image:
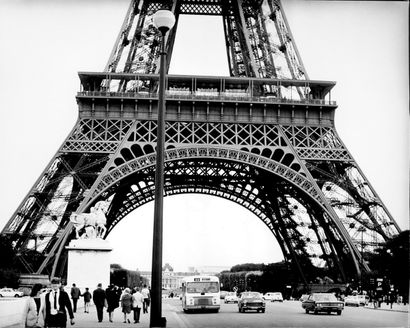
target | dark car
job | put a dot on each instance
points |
(323, 302)
(251, 301)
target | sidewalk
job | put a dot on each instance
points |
(386, 307)
(89, 320)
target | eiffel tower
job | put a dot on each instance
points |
(264, 138)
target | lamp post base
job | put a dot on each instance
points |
(159, 323)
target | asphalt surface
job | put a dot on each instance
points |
(286, 314)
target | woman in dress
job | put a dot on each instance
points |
(126, 304)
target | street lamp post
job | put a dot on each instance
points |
(164, 20)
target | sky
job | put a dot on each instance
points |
(363, 46)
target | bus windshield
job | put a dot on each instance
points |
(202, 287)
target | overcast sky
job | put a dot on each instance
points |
(363, 46)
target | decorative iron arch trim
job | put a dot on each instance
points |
(134, 165)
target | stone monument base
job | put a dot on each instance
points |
(88, 263)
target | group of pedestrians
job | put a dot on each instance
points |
(130, 300)
(52, 309)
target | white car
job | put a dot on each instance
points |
(231, 298)
(356, 300)
(352, 300)
(364, 299)
(10, 292)
(273, 297)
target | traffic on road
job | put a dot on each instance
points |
(282, 314)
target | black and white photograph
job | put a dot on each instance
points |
(204, 163)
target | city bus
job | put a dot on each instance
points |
(201, 293)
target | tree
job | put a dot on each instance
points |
(392, 261)
(8, 258)
(9, 275)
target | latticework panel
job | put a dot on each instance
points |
(210, 133)
(96, 135)
(316, 142)
(200, 7)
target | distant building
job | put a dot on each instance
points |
(172, 280)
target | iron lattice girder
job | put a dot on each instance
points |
(46, 209)
(349, 192)
(258, 38)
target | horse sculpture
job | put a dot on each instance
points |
(91, 225)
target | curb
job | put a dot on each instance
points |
(389, 310)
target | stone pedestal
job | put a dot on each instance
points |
(88, 263)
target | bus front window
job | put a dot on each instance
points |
(202, 287)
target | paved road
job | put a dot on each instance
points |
(286, 314)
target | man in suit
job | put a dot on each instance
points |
(55, 306)
(100, 300)
(75, 295)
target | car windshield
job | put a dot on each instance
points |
(253, 294)
(231, 294)
(202, 287)
(324, 297)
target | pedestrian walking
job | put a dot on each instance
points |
(113, 300)
(87, 298)
(137, 304)
(126, 304)
(31, 316)
(100, 301)
(75, 295)
(145, 292)
(55, 306)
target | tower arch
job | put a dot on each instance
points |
(237, 176)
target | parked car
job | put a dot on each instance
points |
(356, 300)
(273, 297)
(251, 301)
(323, 302)
(10, 292)
(231, 298)
(364, 299)
(352, 300)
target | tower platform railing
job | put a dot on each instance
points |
(207, 88)
(217, 96)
